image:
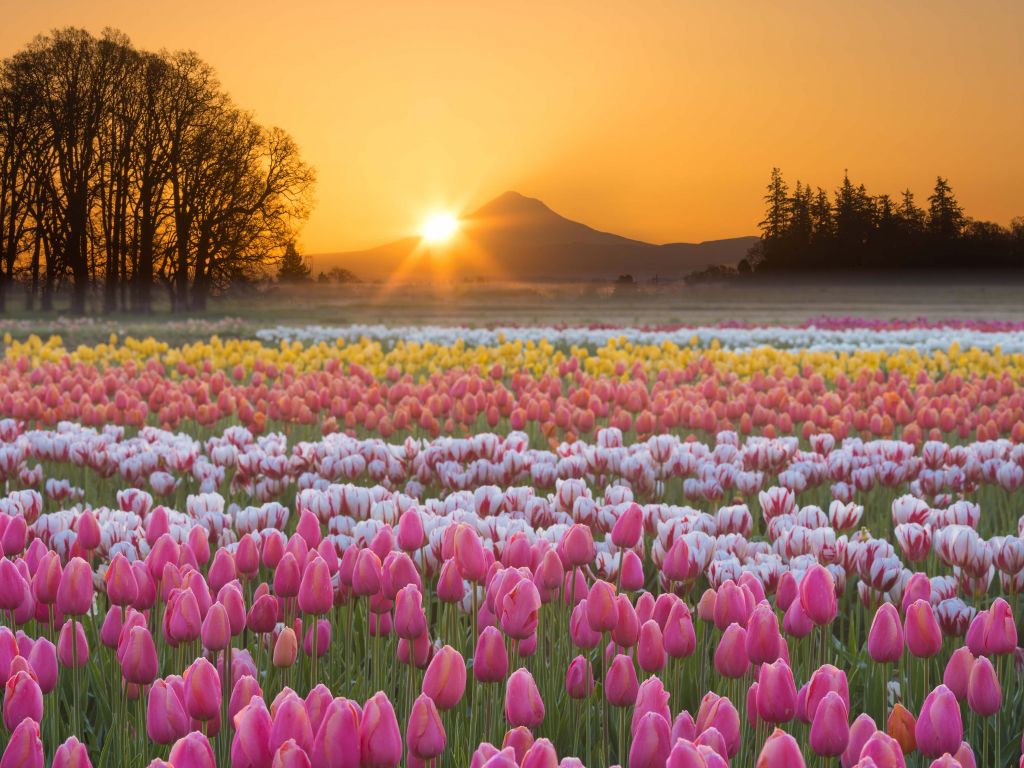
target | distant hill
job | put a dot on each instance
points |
(514, 237)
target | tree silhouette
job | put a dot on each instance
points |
(806, 230)
(122, 169)
(293, 268)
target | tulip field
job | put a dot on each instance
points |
(518, 547)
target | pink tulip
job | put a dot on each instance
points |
(166, 718)
(762, 643)
(651, 745)
(826, 678)
(731, 654)
(679, 636)
(290, 755)
(780, 750)
(776, 693)
(25, 749)
(818, 595)
(993, 632)
(650, 652)
(291, 723)
(685, 754)
(984, 694)
(138, 658)
(626, 633)
(202, 690)
(924, 638)
(628, 527)
(620, 684)
(830, 729)
(939, 728)
(650, 697)
(795, 622)
(122, 587)
(72, 645)
(520, 740)
(958, 671)
(523, 704)
(541, 754)
(490, 661)
(578, 545)
(469, 554)
(74, 595)
(22, 699)
(445, 679)
(192, 751)
(337, 739)
(251, 743)
(863, 728)
(719, 713)
(885, 638)
(425, 734)
(43, 660)
(410, 619)
(367, 573)
(579, 678)
(315, 593)
(286, 649)
(631, 571)
(380, 740)
(519, 610)
(71, 754)
(884, 750)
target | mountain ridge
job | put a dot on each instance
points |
(520, 238)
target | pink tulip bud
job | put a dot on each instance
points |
(122, 588)
(629, 527)
(43, 660)
(776, 693)
(685, 754)
(580, 631)
(830, 728)
(621, 684)
(677, 565)
(244, 689)
(939, 728)
(958, 672)
(825, 678)
(579, 678)
(72, 646)
(602, 608)
(425, 734)
(216, 628)
(222, 570)
(632, 571)
(71, 754)
(650, 697)
(380, 740)
(984, 694)
(885, 638)
(290, 755)
(780, 750)
(88, 529)
(47, 578)
(291, 723)
(519, 740)
(445, 678)
(818, 595)
(25, 748)
(410, 530)
(287, 577)
(578, 545)
(247, 557)
(192, 751)
(263, 615)
(523, 705)
(923, 636)
(863, 728)
(719, 713)
(795, 622)
(490, 661)
(22, 699)
(651, 744)
(519, 610)
(450, 586)
(884, 750)
(337, 742)
(763, 635)
(541, 754)
(731, 654)
(469, 554)
(74, 595)
(993, 632)
(202, 690)
(286, 649)
(138, 658)
(367, 573)
(651, 648)
(166, 718)
(410, 619)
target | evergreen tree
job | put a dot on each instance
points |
(945, 216)
(294, 268)
(777, 218)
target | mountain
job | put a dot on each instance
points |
(514, 237)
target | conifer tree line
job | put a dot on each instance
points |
(126, 172)
(806, 228)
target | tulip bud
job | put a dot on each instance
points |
(620, 683)
(490, 661)
(380, 739)
(885, 638)
(984, 694)
(939, 728)
(780, 750)
(523, 704)
(425, 732)
(192, 751)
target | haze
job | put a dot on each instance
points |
(655, 120)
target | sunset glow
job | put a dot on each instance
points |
(657, 141)
(440, 228)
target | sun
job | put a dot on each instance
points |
(440, 227)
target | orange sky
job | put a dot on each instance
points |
(657, 120)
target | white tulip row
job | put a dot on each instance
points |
(738, 339)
